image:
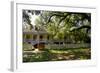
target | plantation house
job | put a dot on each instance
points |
(38, 38)
(34, 38)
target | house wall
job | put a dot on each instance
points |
(31, 38)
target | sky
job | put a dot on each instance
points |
(33, 17)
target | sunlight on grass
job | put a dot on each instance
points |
(58, 55)
(57, 51)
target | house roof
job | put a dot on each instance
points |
(38, 42)
(35, 30)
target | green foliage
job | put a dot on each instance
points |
(61, 25)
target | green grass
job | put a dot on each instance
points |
(59, 55)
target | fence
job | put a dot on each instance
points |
(61, 46)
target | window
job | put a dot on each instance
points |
(28, 36)
(48, 37)
(41, 37)
(34, 37)
(56, 42)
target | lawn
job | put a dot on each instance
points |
(57, 55)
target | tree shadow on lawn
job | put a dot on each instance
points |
(59, 55)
